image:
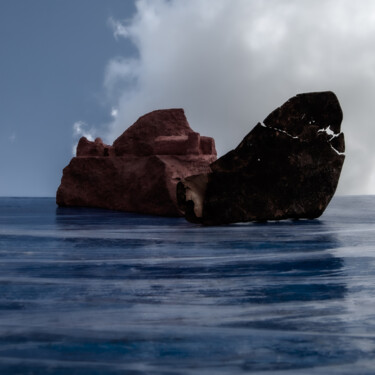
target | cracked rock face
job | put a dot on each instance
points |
(287, 167)
(140, 171)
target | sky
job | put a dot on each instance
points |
(92, 67)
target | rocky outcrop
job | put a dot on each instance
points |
(140, 171)
(286, 167)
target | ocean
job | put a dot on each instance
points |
(89, 291)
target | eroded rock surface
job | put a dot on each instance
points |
(286, 167)
(140, 171)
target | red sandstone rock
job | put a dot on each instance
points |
(139, 173)
(96, 148)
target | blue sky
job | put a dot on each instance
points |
(71, 65)
(53, 57)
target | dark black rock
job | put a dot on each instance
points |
(287, 167)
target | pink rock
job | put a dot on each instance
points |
(139, 173)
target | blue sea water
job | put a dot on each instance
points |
(88, 292)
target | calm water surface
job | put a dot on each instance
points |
(86, 291)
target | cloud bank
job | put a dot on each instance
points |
(230, 63)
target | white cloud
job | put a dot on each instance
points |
(118, 28)
(114, 112)
(120, 74)
(81, 129)
(230, 63)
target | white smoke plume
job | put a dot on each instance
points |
(230, 63)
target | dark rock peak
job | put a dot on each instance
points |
(306, 113)
(286, 167)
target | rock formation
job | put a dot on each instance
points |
(140, 171)
(286, 167)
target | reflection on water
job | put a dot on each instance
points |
(89, 291)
